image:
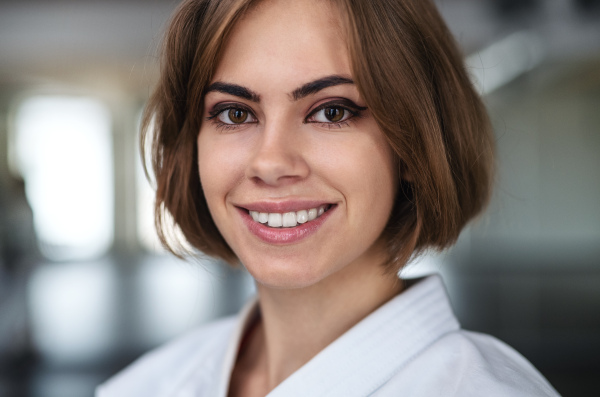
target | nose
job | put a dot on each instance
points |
(278, 157)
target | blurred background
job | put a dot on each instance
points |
(85, 288)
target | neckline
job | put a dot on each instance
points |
(409, 322)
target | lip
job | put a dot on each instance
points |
(284, 235)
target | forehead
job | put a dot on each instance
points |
(285, 43)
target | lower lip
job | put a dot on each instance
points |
(284, 235)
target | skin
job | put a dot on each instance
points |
(314, 290)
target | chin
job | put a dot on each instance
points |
(285, 273)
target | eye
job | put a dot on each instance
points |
(331, 114)
(235, 116)
(335, 113)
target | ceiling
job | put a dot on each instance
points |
(113, 44)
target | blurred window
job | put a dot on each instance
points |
(62, 147)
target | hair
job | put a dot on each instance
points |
(411, 75)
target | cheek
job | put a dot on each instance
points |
(218, 167)
(362, 169)
(376, 189)
(206, 167)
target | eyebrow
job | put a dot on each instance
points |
(233, 89)
(305, 90)
(318, 85)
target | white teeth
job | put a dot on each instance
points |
(263, 217)
(288, 219)
(275, 220)
(302, 216)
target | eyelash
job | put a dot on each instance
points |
(219, 109)
(345, 104)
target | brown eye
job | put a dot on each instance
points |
(331, 114)
(334, 114)
(237, 116)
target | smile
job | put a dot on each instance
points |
(285, 223)
(288, 219)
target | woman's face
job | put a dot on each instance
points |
(285, 138)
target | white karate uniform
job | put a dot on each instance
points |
(411, 346)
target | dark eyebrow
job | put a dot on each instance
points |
(233, 89)
(318, 85)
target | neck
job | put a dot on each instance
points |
(296, 324)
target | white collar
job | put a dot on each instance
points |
(370, 353)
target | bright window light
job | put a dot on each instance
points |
(62, 148)
(72, 308)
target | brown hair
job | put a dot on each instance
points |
(410, 73)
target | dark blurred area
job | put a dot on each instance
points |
(84, 287)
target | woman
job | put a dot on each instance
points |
(321, 144)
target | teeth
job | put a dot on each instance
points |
(263, 217)
(302, 216)
(275, 220)
(288, 219)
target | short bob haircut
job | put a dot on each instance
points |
(411, 75)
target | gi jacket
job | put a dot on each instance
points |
(411, 346)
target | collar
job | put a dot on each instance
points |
(370, 353)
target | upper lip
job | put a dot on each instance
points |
(282, 206)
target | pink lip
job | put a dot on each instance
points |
(284, 235)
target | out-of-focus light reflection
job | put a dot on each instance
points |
(62, 147)
(504, 61)
(72, 311)
(175, 296)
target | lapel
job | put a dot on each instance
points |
(373, 351)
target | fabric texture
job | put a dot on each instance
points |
(411, 346)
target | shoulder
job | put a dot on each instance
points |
(162, 369)
(465, 364)
(490, 364)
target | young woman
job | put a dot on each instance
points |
(322, 144)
